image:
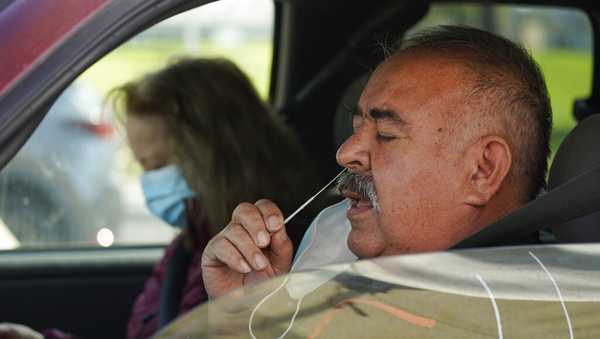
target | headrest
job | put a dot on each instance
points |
(579, 152)
(342, 123)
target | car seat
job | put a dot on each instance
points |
(579, 152)
(342, 123)
(572, 203)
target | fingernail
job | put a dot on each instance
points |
(245, 267)
(260, 261)
(262, 238)
(273, 222)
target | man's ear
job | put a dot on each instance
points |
(488, 163)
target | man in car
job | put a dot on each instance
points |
(450, 134)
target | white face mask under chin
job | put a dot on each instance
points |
(326, 245)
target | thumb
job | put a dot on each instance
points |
(281, 251)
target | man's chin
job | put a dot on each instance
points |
(364, 239)
(365, 246)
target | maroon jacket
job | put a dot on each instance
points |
(143, 322)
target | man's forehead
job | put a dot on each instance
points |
(405, 82)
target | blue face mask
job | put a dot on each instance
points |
(165, 190)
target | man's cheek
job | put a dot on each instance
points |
(389, 192)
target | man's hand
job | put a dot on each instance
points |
(16, 331)
(253, 247)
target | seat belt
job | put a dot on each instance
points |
(575, 198)
(173, 284)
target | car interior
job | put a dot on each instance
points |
(575, 156)
(322, 54)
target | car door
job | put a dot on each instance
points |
(84, 291)
(62, 265)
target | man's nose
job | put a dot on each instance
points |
(354, 153)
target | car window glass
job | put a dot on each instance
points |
(75, 181)
(519, 292)
(560, 40)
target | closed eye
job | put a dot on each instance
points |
(384, 138)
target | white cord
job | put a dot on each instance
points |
(494, 305)
(263, 300)
(312, 198)
(560, 297)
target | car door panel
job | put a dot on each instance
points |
(87, 292)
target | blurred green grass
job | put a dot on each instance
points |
(568, 73)
(568, 77)
(131, 61)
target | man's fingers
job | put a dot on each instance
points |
(249, 216)
(281, 251)
(238, 236)
(222, 252)
(271, 214)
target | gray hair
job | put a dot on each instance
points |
(506, 76)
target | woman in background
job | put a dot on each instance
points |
(206, 142)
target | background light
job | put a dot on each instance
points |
(105, 237)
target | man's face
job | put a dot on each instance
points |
(406, 116)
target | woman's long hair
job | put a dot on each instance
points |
(228, 144)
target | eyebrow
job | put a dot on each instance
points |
(386, 114)
(378, 114)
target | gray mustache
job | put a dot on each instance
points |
(360, 184)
